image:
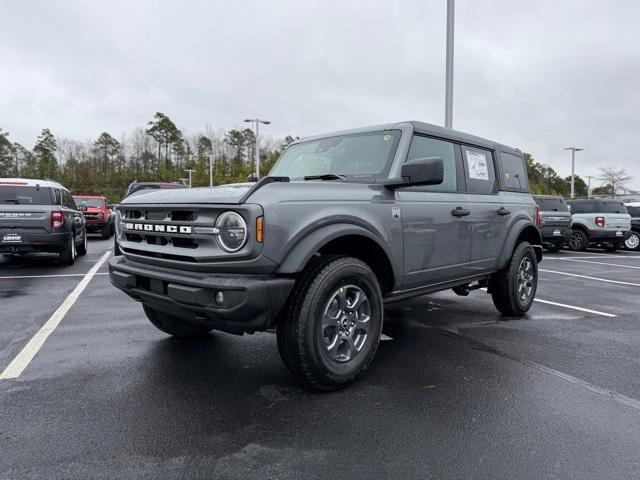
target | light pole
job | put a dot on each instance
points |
(573, 167)
(189, 172)
(211, 168)
(257, 122)
(448, 101)
(589, 177)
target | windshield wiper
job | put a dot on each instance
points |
(326, 176)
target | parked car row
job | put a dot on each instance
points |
(42, 216)
(581, 223)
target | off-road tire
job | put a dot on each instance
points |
(107, 232)
(504, 284)
(68, 254)
(637, 247)
(579, 241)
(82, 249)
(299, 332)
(174, 326)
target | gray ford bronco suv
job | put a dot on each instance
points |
(344, 223)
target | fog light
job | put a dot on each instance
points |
(219, 298)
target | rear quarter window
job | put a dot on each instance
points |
(513, 173)
(610, 207)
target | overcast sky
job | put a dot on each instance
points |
(538, 75)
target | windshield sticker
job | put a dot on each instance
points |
(387, 137)
(477, 165)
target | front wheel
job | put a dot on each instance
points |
(332, 323)
(513, 288)
(633, 242)
(174, 325)
(107, 232)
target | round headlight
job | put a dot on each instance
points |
(119, 223)
(232, 231)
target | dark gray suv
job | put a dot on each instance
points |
(345, 223)
(40, 216)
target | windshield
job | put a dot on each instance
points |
(551, 204)
(23, 195)
(89, 202)
(364, 156)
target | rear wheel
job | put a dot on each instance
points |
(68, 255)
(332, 323)
(578, 241)
(633, 242)
(82, 249)
(174, 325)
(513, 288)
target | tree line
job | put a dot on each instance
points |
(162, 152)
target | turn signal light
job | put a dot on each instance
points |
(600, 222)
(259, 229)
(57, 220)
(537, 219)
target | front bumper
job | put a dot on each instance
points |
(251, 302)
(601, 236)
(34, 242)
(96, 226)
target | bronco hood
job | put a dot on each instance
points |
(233, 193)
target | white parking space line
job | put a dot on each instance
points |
(26, 355)
(7, 277)
(620, 257)
(571, 307)
(587, 277)
(600, 263)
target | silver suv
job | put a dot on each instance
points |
(598, 222)
(345, 223)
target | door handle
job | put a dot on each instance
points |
(460, 212)
(503, 211)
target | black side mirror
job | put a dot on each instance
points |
(423, 171)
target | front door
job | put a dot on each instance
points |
(437, 233)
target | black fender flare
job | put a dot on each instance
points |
(517, 229)
(304, 249)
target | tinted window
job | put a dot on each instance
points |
(634, 211)
(551, 204)
(24, 195)
(513, 173)
(581, 207)
(611, 206)
(68, 200)
(425, 147)
(366, 155)
(478, 164)
(57, 196)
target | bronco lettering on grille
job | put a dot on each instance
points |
(150, 227)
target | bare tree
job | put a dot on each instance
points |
(617, 179)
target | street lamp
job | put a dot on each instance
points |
(257, 122)
(211, 168)
(573, 165)
(448, 94)
(589, 177)
(189, 172)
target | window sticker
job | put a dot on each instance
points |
(477, 165)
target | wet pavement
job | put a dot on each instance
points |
(457, 392)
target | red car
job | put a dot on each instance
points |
(97, 214)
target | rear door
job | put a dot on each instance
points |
(437, 241)
(487, 207)
(72, 214)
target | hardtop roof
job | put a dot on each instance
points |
(32, 182)
(423, 128)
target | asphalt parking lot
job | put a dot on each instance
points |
(455, 391)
